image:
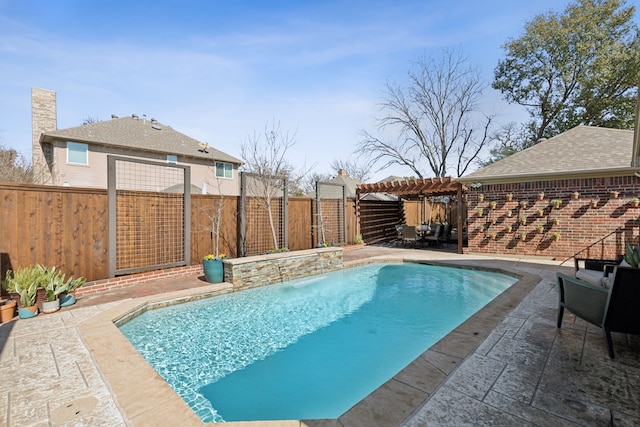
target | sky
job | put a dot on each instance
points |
(219, 71)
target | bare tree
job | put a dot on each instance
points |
(433, 118)
(14, 167)
(264, 157)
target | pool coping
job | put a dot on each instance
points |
(146, 399)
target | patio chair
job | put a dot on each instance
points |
(614, 309)
(409, 235)
(436, 237)
(596, 271)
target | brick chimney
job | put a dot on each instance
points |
(342, 172)
(43, 119)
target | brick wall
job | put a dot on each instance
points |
(585, 231)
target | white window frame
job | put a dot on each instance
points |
(227, 167)
(77, 147)
(172, 159)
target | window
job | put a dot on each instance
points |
(224, 170)
(171, 159)
(77, 153)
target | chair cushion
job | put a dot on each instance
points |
(591, 276)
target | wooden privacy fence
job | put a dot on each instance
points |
(68, 227)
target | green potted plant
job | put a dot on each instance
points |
(556, 203)
(594, 203)
(25, 281)
(68, 296)
(509, 197)
(480, 197)
(575, 195)
(614, 194)
(541, 195)
(52, 281)
(555, 236)
(523, 220)
(523, 204)
(540, 212)
(555, 221)
(493, 234)
(523, 236)
(539, 228)
(635, 201)
(480, 212)
(509, 213)
(632, 256)
(493, 204)
(508, 228)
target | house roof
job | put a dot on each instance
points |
(142, 134)
(581, 151)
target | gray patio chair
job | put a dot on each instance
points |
(409, 235)
(614, 309)
(436, 237)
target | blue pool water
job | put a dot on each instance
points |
(309, 348)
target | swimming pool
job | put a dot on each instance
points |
(241, 356)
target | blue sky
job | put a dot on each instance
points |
(218, 71)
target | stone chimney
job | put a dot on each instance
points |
(342, 172)
(43, 119)
(635, 159)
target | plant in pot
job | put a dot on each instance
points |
(52, 281)
(493, 235)
(213, 267)
(68, 295)
(480, 197)
(509, 197)
(541, 196)
(480, 212)
(509, 213)
(523, 220)
(25, 281)
(556, 203)
(539, 228)
(540, 212)
(635, 201)
(493, 204)
(523, 204)
(508, 228)
(523, 236)
(555, 236)
(7, 309)
(575, 195)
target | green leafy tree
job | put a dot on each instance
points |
(576, 68)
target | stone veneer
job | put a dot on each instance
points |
(260, 270)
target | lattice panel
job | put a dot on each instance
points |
(330, 227)
(149, 215)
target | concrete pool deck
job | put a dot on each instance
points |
(507, 365)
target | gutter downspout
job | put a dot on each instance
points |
(635, 157)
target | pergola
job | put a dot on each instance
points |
(420, 189)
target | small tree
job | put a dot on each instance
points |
(264, 157)
(14, 167)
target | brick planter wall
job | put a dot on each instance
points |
(599, 232)
(260, 270)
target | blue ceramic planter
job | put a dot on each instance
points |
(213, 270)
(25, 313)
(67, 300)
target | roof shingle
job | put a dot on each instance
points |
(141, 134)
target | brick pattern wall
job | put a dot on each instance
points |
(133, 279)
(585, 231)
(260, 270)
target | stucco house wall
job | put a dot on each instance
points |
(132, 136)
(594, 162)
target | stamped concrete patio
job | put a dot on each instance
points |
(508, 365)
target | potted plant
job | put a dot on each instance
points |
(540, 212)
(509, 213)
(555, 236)
(575, 195)
(523, 236)
(493, 221)
(25, 281)
(52, 281)
(493, 204)
(539, 228)
(523, 204)
(594, 203)
(480, 212)
(481, 197)
(493, 235)
(68, 296)
(635, 202)
(614, 194)
(556, 203)
(7, 310)
(541, 195)
(555, 221)
(509, 197)
(523, 220)
(213, 267)
(508, 228)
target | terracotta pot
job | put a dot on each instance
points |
(7, 311)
